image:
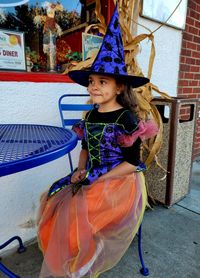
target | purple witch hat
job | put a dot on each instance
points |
(110, 59)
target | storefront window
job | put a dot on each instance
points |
(51, 32)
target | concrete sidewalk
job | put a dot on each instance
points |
(171, 244)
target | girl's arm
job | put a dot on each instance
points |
(122, 169)
(79, 174)
(83, 157)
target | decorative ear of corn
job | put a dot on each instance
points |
(129, 12)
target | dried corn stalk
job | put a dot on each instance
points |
(129, 12)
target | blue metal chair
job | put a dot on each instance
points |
(21, 249)
(65, 106)
(73, 107)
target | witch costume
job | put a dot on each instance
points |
(85, 228)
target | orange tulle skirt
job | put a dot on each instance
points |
(87, 234)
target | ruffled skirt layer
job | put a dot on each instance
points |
(87, 234)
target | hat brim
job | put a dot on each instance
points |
(82, 78)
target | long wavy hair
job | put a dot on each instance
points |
(127, 98)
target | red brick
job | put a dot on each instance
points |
(196, 145)
(183, 60)
(193, 30)
(186, 30)
(194, 14)
(193, 83)
(186, 52)
(198, 129)
(189, 21)
(187, 91)
(190, 61)
(181, 75)
(196, 90)
(184, 43)
(188, 37)
(197, 23)
(197, 140)
(180, 91)
(197, 62)
(195, 69)
(196, 39)
(184, 67)
(192, 5)
(196, 54)
(182, 83)
(197, 76)
(191, 45)
(197, 132)
(198, 8)
(188, 75)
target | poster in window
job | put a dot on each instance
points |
(12, 50)
(90, 45)
(160, 11)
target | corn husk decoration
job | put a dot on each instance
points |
(129, 12)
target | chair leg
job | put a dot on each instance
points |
(70, 162)
(144, 270)
(20, 249)
(7, 272)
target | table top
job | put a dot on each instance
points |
(24, 146)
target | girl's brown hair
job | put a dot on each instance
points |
(126, 98)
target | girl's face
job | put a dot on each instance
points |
(103, 90)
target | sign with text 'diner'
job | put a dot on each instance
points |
(12, 51)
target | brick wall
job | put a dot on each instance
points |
(189, 71)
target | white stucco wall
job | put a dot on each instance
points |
(27, 102)
(166, 64)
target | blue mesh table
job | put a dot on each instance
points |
(24, 146)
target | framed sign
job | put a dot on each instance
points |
(159, 10)
(12, 50)
(90, 45)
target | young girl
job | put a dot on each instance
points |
(89, 218)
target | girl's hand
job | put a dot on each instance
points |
(78, 175)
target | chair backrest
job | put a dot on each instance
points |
(73, 106)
